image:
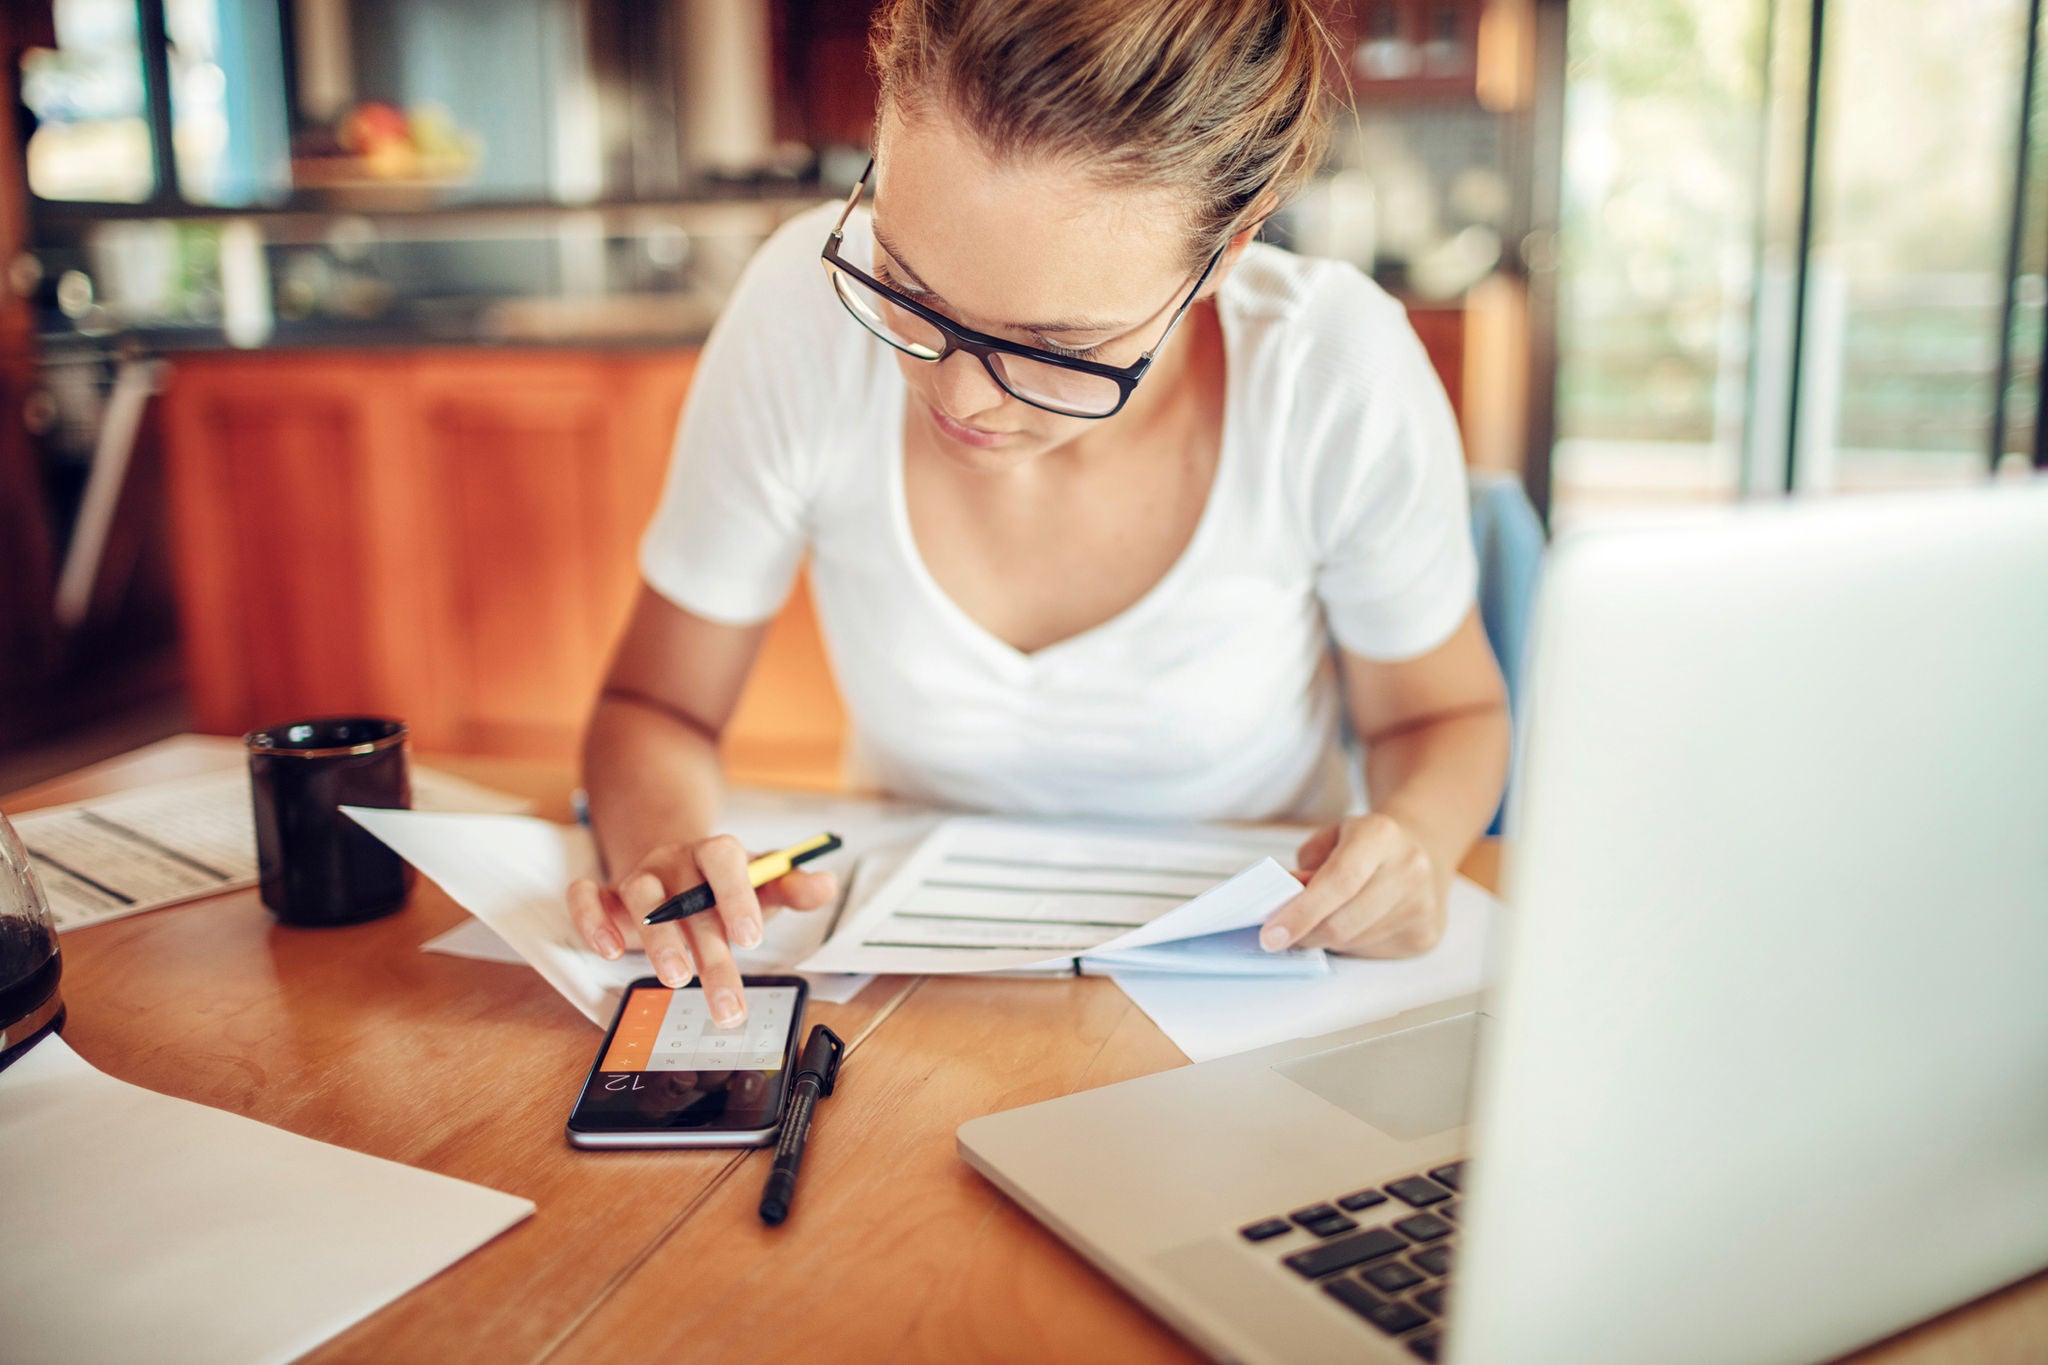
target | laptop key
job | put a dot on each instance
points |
(1331, 1226)
(1422, 1227)
(1354, 1296)
(1259, 1232)
(1450, 1175)
(1344, 1253)
(1436, 1260)
(1396, 1318)
(1363, 1199)
(1431, 1301)
(1391, 1276)
(1391, 1318)
(1423, 1344)
(1417, 1192)
(1450, 1210)
(1314, 1213)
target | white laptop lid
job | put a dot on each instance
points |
(1771, 1071)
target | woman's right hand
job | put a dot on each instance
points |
(609, 917)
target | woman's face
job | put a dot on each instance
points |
(1035, 253)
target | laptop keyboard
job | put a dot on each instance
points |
(1393, 1273)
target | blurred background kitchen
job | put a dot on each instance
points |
(342, 340)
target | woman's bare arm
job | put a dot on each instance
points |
(651, 769)
(1435, 730)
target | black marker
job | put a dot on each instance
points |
(814, 1076)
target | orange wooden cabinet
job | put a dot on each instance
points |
(446, 536)
(533, 478)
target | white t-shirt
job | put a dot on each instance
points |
(1338, 511)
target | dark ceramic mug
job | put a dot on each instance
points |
(317, 866)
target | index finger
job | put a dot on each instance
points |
(725, 994)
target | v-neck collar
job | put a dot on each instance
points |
(1000, 652)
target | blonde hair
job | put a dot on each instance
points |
(1222, 101)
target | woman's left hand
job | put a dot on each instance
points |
(1373, 891)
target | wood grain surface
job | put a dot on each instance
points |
(896, 1250)
(443, 535)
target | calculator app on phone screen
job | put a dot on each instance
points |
(668, 1075)
(665, 1030)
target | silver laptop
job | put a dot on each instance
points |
(1765, 1073)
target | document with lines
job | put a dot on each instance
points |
(176, 841)
(982, 895)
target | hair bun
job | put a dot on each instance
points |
(1224, 101)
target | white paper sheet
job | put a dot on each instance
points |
(1210, 1017)
(511, 873)
(173, 842)
(1236, 953)
(985, 894)
(149, 1229)
(477, 940)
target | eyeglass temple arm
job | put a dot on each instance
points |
(853, 199)
(1186, 303)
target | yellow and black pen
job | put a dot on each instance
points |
(760, 872)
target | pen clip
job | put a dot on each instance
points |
(826, 1067)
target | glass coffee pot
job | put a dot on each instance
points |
(30, 965)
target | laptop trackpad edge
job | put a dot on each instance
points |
(1412, 1084)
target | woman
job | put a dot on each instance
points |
(1110, 510)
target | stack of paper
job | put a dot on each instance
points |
(149, 1229)
(511, 873)
(982, 895)
(1205, 1019)
(1172, 915)
(1165, 913)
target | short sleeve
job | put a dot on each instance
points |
(1389, 508)
(731, 527)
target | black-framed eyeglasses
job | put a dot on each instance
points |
(1044, 379)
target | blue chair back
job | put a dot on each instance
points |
(1508, 536)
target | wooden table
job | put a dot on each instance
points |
(897, 1250)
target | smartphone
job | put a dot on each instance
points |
(669, 1077)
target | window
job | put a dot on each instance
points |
(1786, 249)
(91, 139)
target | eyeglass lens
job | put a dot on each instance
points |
(1049, 386)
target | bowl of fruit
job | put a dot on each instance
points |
(381, 156)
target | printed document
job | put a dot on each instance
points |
(982, 894)
(176, 841)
